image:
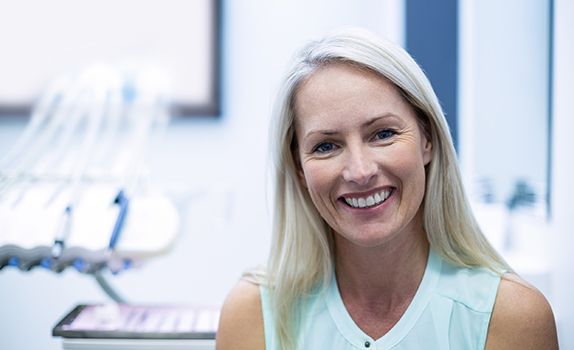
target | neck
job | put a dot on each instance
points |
(390, 273)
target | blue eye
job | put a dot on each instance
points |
(324, 147)
(384, 134)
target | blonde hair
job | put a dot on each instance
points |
(301, 257)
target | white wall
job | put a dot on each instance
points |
(504, 92)
(563, 171)
(214, 169)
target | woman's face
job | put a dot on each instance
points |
(362, 154)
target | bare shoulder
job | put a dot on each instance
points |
(241, 321)
(521, 319)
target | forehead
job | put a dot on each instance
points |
(343, 93)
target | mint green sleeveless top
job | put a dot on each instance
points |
(451, 310)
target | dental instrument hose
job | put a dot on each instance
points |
(108, 289)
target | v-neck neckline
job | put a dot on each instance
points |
(355, 335)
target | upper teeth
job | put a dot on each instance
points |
(369, 201)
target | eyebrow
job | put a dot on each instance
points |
(329, 132)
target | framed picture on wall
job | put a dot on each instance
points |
(42, 40)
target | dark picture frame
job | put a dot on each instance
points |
(27, 52)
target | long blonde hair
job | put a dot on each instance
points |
(301, 256)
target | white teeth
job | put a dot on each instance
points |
(369, 201)
(385, 194)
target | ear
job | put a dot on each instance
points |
(427, 151)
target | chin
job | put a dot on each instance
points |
(367, 239)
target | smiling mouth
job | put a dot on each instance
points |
(369, 201)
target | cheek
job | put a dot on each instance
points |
(316, 178)
(411, 172)
(320, 181)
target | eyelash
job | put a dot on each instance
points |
(390, 131)
(316, 149)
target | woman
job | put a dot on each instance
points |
(374, 245)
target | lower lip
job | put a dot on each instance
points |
(371, 210)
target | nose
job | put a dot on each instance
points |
(360, 166)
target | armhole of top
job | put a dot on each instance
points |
(492, 294)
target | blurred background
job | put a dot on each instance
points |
(503, 71)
